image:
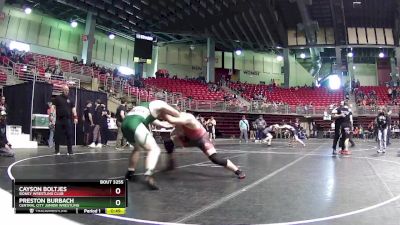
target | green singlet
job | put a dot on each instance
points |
(138, 115)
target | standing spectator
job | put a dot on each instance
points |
(87, 123)
(382, 126)
(261, 124)
(390, 92)
(389, 126)
(201, 120)
(211, 123)
(105, 114)
(51, 112)
(3, 105)
(244, 129)
(120, 115)
(253, 130)
(5, 146)
(65, 113)
(97, 113)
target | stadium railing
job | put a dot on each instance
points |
(373, 110)
(26, 72)
(66, 66)
(255, 107)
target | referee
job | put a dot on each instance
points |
(65, 116)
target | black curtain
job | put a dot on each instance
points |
(43, 93)
(19, 100)
(82, 97)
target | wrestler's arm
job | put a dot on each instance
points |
(181, 120)
(162, 124)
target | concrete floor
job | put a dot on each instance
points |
(289, 185)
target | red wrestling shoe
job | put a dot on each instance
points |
(240, 174)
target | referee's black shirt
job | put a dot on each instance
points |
(63, 107)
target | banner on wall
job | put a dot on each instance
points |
(251, 73)
(197, 68)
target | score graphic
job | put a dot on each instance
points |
(70, 196)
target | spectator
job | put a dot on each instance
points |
(382, 123)
(5, 146)
(201, 120)
(97, 113)
(390, 92)
(87, 123)
(261, 124)
(120, 115)
(211, 124)
(105, 115)
(3, 104)
(244, 129)
(65, 112)
(253, 130)
(51, 112)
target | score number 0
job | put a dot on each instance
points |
(117, 191)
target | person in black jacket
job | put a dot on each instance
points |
(104, 124)
(97, 114)
(87, 123)
(120, 115)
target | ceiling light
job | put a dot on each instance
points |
(238, 52)
(74, 24)
(381, 55)
(27, 10)
(334, 82)
(302, 55)
(279, 58)
(350, 55)
(111, 36)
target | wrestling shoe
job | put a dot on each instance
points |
(240, 174)
(334, 152)
(151, 184)
(346, 152)
(171, 165)
(130, 175)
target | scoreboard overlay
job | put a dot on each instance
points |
(105, 196)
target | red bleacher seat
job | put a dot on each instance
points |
(303, 95)
(188, 88)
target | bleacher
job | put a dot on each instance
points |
(188, 88)
(3, 76)
(381, 92)
(303, 95)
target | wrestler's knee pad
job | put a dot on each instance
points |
(218, 160)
